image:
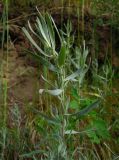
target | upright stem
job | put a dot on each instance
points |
(62, 75)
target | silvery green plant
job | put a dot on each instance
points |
(102, 75)
(46, 29)
(68, 65)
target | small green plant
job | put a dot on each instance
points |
(98, 130)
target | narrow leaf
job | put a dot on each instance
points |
(73, 75)
(87, 109)
(56, 29)
(62, 56)
(54, 92)
(43, 61)
(47, 118)
(71, 132)
(50, 30)
(34, 43)
(43, 23)
(43, 33)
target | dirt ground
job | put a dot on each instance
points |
(22, 79)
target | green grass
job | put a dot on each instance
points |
(4, 83)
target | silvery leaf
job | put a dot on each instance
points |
(34, 43)
(54, 92)
(71, 132)
(41, 91)
(73, 75)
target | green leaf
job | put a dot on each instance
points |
(50, 30)
(56, 29)
(92, 135)
(43, 32)
(43, 61)
(74, 104)
(75, 94)
(101, 128)
(48, 119)
(62, 56)
(86, 110)
(44, 28)
(34, 43)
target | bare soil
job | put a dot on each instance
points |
(22, 79)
